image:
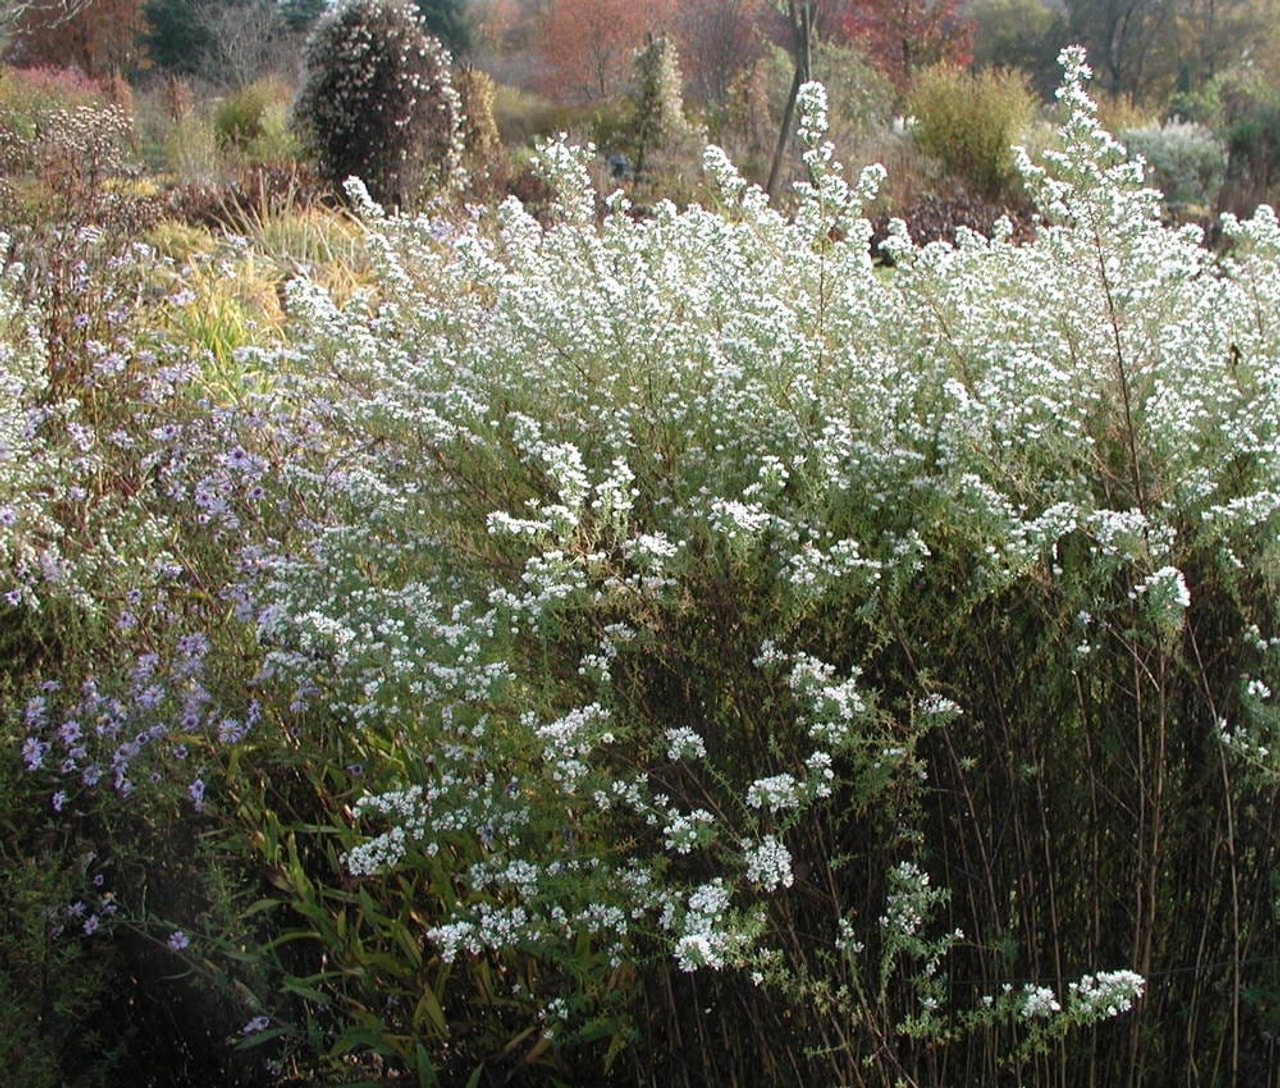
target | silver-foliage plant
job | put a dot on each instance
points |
(1183, 159)
(656, 539)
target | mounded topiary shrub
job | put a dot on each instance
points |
(378, 102)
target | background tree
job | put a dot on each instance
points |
(450, 21)
(800, 25)
(903, 37)
(98, 37)
(718, 40)
(12, 12)
(587, 44)
(1215, 36)
(301, 15)
(1023, 34)
(1131, 43)
(228, 42)
(177, 39)
(248, 41)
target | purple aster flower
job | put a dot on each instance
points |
(231, 731)
(33, 753)
(195, 645)
(150, 698)
(178, 940)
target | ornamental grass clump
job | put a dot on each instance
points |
(969, 122)
(823, 672)
(377, 102)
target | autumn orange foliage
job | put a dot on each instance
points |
(100, 39)
(587, 45)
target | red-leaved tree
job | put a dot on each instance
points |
(719, 39)
(903, 36)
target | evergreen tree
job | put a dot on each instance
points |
(179, 39)
(449, 21)
(658, 119)
(302, 15)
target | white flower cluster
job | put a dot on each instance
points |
(768, 863)
(568, 740)
(1038, 1002)
(580, 458)
(834, 706)
(703, 930)
(684, 743)
(684, 831)
(776, 793)
(1165, 597)
(909, 900)
(1105, 994)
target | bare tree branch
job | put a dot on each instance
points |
(52, 13)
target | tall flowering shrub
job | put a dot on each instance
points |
(844, 656)
(658, 121)
(377, 101)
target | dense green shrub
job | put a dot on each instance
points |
(1184, 160)
(970, 122)
(378, 103)
(252, 122)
